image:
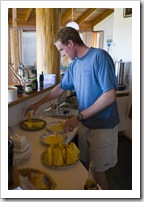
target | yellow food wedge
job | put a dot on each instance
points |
(57, 157)
(74, 148)
(39, 124)
(71, 156)
(57, 127)
(53, 139)
(28, 124)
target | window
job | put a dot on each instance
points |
(29, 48)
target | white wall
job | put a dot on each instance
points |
(120, 29)
(16, 113)
(106, 25)
(122, 49)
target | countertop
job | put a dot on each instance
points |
(69, 178)
(22, 97)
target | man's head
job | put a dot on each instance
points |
(68, 41)
(68, 33)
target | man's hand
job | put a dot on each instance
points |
(71, 124)
(33, 107)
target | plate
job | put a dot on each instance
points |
(57, 167)
(55, 127)
(49, 139)
(39, 179)
(33, 127)
(60, 155)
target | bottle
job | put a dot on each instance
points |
(10, 163)
(91, 183)
(34, 84)
(28, 87)
(41, 79)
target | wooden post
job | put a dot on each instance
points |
(48, 22)
(15, 38)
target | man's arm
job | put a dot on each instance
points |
(103, 102)
(54, 93)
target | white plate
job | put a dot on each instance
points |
(44, 137)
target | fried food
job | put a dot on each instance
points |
(53, 139)
(60, 155)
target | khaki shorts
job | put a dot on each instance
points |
(99, 145)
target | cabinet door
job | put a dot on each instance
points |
(122, 109)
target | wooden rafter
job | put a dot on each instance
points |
(103, 16)
(68, 13)
(86, 15)
(28, 14)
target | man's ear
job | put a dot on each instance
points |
(70, 43)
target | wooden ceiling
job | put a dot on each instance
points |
(87, 18)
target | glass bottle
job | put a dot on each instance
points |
(91, 183)
(41, 80)
(10, 163)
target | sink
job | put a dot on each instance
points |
(69, 105)
(63, 111)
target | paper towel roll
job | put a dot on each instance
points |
(12, 94)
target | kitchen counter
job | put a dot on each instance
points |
(69, 178)
(23, 97)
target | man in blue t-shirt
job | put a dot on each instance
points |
(92, 75)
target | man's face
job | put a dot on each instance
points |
(66, 50)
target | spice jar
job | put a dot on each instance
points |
(28, 87)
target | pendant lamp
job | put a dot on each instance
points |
(72, 23)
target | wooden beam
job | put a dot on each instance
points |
(68, 13)
(86, 15)
(28, 14)
(103, 16)
(15, 38)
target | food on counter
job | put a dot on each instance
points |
(60, 155)
(53, 139)
(34, 124)
(28, 124)
(56, 126)
(39, 124)
(39, 179)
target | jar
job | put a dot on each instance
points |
(34, 84)
(28, 87)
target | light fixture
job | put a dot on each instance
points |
(72, 23)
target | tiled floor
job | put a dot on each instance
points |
(120, 177)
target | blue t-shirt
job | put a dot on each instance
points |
(91, 76)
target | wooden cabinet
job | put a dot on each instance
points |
(122, 102)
